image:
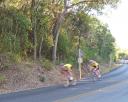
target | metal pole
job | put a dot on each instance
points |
(110, 63)
(79, 65)
(79, 58)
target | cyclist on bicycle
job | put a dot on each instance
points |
(94, 68)
(66, 70)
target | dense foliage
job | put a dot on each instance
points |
(51, 29)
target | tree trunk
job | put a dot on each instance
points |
(35, 40)
(33, 20)
(40, 48)
(56, 31)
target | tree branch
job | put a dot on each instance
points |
(81, 2)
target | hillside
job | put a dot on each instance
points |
(29, 75)
(25, 76)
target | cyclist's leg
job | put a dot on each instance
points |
(99, 75)
(94, 76)
(67, 81)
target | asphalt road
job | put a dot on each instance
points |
(113, 87)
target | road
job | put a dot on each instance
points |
(113, 87)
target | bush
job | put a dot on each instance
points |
(2, 79)
(4, 62)
(4, 66)
(42, 78)
(15, 57)
(48, 65)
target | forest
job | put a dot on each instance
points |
(54, 30)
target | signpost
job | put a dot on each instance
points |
(80, 60)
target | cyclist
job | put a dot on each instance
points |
(66, 70)
(94, 69)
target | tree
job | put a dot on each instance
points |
(34, 26)
(85, 4)
(13, 31)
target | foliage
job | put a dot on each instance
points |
(14, 26)
(47, 64)
(122, 55)
(42, 78)
(30, 28)
(4, 62)
(2, 79)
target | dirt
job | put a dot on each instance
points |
(28, 76)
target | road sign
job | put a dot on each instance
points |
(80, 53)
(80, 60)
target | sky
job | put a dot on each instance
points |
(117, 20)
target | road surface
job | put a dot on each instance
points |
(113, 87)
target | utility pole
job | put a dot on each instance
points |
(80, 60)
(110, 62)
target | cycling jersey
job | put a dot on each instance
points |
(68, 67)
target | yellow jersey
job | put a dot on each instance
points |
(68, 67)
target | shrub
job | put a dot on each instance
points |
(48, 65)
(15, 57)
(42, 78)
(4, 66)
(4, 62)
(2, 79)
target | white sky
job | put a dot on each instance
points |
(117, 20)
